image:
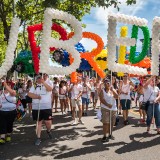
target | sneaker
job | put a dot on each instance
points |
(111, 137)
(81, 122)
(8, 138)
(74, 123)
(104, 139)
(49, 134)
(38, 142)
(2, 141)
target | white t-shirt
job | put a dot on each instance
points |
(125, 88)
(150, 93)
(45, 102)
(86, 91)
(55, 88)
(5, 105)
(76, 90)
(110, 100)
(22, 93)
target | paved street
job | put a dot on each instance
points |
(82, 141)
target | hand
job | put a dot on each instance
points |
(126, 93)
(111, 88)
(4, 84)
(0, 106)
(109, 106)
(38, 97)
(42, 81)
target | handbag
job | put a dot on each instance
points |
(145, 105)
(99, 114)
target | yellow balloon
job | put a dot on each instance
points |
(122, 49)
(101, 59)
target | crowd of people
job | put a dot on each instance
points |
(112, 96)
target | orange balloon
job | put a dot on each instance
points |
(89, 56)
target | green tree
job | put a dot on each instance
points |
(31, 12)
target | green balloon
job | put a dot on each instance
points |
(145, 46)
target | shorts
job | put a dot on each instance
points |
(54, 94)
(126, 104)
(24, 103)
(76, 102)
(28, 99)
(106, 116)
(62, 96)
(94, 95)
(85, 101)
(45, 114)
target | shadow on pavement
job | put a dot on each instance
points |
(140, 143)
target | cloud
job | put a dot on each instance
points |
(97, 21)
(102, 14)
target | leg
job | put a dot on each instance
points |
(105, 129)
(53, 100)
(61, 103)
(149, 116)
(56, 102)
(39, 129)
(157, 117)
(30, 108)
(3, 126)
(48, 124)
(80, 112)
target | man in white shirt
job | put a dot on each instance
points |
(76, 93)
(41, 104)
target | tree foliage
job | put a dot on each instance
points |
(31, 12)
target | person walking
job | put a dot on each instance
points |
(108, 96)
(125, 98)
(152, 96)
(7, 112)
(41, 105)
(76, 93)
(55, 92)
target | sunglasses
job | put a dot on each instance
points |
(107, 82)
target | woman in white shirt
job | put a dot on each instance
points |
(62, 96)
(55, 92)
(7, 113)
(108, 97)
(152, 95)
(125, 98)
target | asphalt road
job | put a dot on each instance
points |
(82, 142)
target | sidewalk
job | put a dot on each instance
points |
(82, 141)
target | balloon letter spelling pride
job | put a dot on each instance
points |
(113, 40)
(155, 46)
(9, 58)
(68, 45)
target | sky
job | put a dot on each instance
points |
(97, 22)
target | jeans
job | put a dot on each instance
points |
(156, 114)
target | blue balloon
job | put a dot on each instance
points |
(84, 65)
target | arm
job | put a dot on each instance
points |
(79, 95)
(34, 96)
(157, 100)
(48, 87)
(102, 100)
(11, 91)
(115, 94)
(148, 82)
